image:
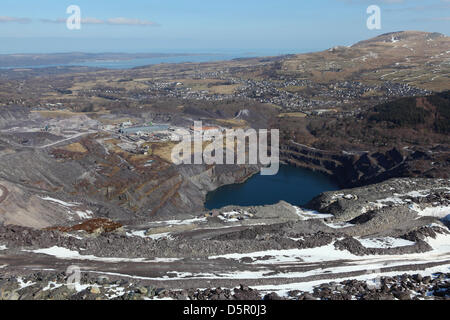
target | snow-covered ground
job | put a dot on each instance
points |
(308, 286)
(351, 262)
(400, 199)
(303, 265)
(345, 261)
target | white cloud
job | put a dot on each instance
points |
(92, 21)
(112, 21)
(6, 19)
(130, 22)
(441, 19)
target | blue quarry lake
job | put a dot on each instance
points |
(294, 185)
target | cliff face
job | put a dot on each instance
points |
(406, 137)
(351, 169)
(195, 181)
(213, 177)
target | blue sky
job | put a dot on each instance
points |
(272, 26)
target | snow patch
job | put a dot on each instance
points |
(401, 199)
(180, 222)
(52, 285)
(310, 255)
(63, 203)
(88, 214)
(23, 284)
(442, 212)
(385, 242)
(64, 253)
(115, 291)
(83, 215)
(229, 216)
(305, 214)
(143, 234)
(339, 225)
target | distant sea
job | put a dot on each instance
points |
(128, 64)
(179, 58)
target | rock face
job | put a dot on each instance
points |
(51, 181)
(397, 204)
(199, 180)
(350, 203)
(37, 191)
(358, 169)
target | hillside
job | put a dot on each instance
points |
(419, 121)
(417, 58)
(430, 113)
(407, 137)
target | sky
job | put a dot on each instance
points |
(208, 26)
